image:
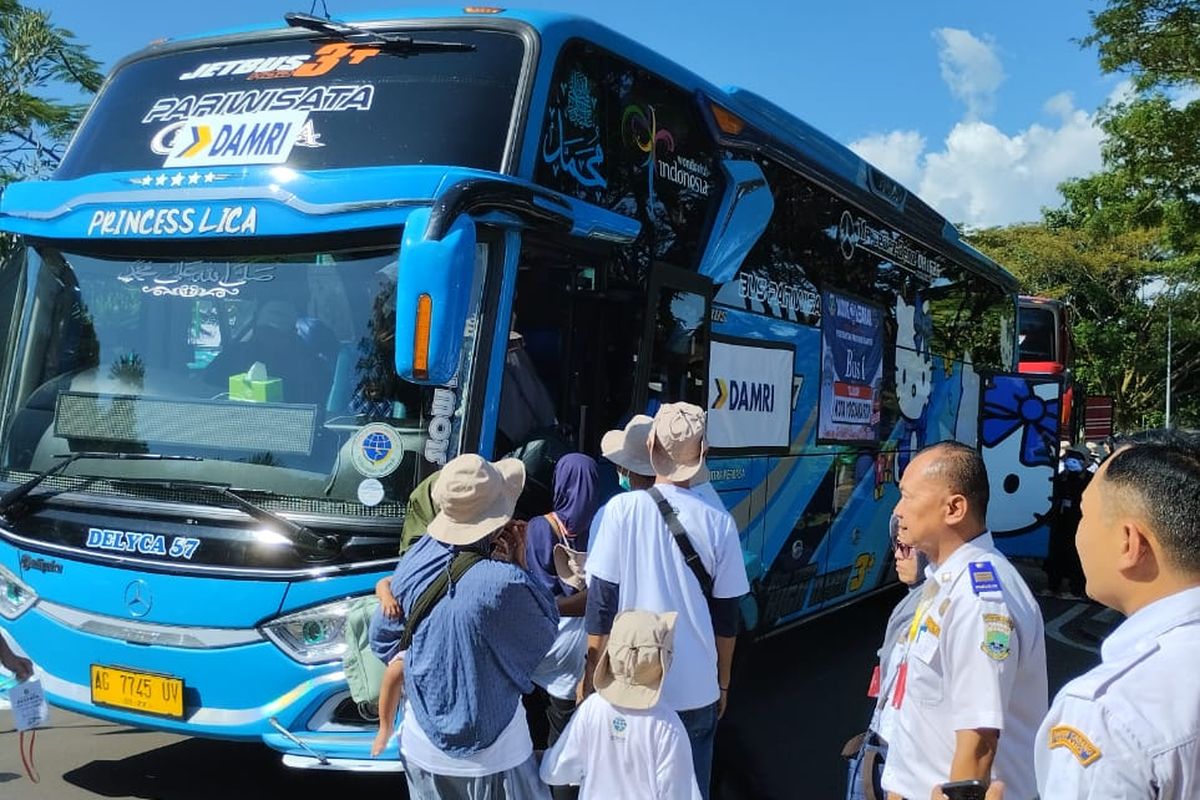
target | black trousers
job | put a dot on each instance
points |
(557, 713)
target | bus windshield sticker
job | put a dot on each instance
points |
(151, 221)
(376, 450)
(236, 139)
(851, 369)
(370, 492)
(304, 65)
(337, 97)
(750, 395)
(441, 413)
(226, 276)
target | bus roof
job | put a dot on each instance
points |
(820, 156)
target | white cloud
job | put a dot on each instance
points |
(1185, 95)
(1122, 93)
(970, 67)
(897, 153)
(981, 175)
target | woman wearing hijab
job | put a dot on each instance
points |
(564, 533)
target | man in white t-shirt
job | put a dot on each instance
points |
(622, 742)
(637, 562)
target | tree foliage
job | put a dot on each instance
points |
(1151, 173)
(37, 60)
(1115, 289)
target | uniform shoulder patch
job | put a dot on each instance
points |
(983, 577)
(1074, 740)
(997, 636)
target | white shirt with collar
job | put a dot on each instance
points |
(1130, 728)
(976, 658)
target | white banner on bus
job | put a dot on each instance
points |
(750, 395)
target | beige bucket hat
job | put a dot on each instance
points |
(677, 443)
(627, 448)
(475, 497)
(631, 669)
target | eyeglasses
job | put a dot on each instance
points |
(901, 549)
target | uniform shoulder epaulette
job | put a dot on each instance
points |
(984, 579)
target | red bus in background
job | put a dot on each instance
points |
(1044, 336)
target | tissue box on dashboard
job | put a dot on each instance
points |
(255, 386)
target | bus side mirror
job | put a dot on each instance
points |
(433, 287)
(741, 219)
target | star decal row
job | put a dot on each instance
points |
(178, 179)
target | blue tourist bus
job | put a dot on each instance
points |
(283, 274)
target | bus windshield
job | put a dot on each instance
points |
(309, 104)
(1038, 331)
(277, 369)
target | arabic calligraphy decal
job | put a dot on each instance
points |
(226, 276)
(572, 143)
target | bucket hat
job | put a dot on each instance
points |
(475, 497)
(631, 668)
(627, 448)
(677, 443)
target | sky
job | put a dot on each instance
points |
(982, 108)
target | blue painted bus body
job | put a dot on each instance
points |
(813, 514)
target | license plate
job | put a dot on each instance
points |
(137, 691)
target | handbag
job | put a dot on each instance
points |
(569, 563)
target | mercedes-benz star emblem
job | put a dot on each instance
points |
(138, 598)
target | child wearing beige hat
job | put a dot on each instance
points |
(621, 741)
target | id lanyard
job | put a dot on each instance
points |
(928, 594)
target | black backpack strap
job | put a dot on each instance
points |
(690, 556)
(435, 591)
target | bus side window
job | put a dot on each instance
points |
(677, 369)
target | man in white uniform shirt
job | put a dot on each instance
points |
(1130, 728)
(971, 689)
(637, 562)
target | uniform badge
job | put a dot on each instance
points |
(983, 577)
(997, 636)
(1073, 739)
(942, 608)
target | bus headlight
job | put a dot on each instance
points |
(314, 635)
(16, 596)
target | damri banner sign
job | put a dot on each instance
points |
(750, 394)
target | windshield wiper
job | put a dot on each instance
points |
(301, 536)
(361, 37)
(14, 495)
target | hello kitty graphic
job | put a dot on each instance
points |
(1019, 435)
(914, 363)
(914, 376)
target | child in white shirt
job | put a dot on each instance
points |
(621, 742)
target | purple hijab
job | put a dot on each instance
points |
(576, 498)
(575, 495)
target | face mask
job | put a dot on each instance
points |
(623, 482)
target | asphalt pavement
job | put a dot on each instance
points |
(795, 699)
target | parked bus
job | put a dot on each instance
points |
(1045, 348)
(282, 275)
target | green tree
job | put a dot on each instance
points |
(38, 58)
(1151, 174)
(1114, 285)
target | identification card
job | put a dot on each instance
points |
(29, 706)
